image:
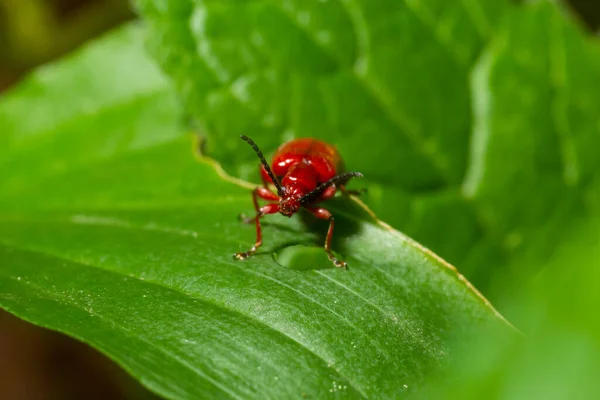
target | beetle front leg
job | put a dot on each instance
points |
(268, 209)
(263, 193)
(322, 213)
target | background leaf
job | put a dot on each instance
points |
(474, 123)
(113, 233)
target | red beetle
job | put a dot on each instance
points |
(305, 173)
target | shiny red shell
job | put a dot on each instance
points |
(302, 164)
(305, 172)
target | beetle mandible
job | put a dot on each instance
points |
(305, 172)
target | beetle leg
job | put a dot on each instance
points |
(266, 194)
(263, 193)
(328, 193)
(322, 213)
(268, 209)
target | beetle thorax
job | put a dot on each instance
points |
(300, 180)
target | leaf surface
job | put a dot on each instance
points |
(475, 123)
(113, 232)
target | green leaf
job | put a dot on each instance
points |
(474, 122)
(112, 232)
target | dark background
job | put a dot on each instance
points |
(36, 363)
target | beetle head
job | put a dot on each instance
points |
(289, 205)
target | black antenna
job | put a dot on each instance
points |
(264, 163)
(341, 179)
